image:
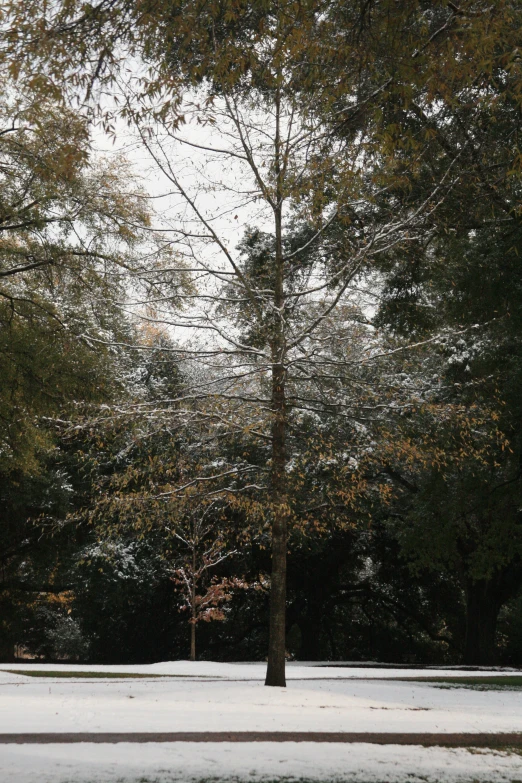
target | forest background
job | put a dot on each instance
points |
(269, 403)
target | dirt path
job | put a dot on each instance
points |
(446, 740)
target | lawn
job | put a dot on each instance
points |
(87, 675)
(507, 681)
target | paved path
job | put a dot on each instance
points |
(427, 740)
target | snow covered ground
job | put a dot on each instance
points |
(184, 762)
(231, 697)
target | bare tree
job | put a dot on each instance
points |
(204, 547)
(259, 307)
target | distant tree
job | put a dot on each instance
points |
(74, 233)
(458, 513)
(203, 548)
(465, 277)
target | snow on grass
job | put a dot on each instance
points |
(76, 675)
(207, 696)
(32, 704)
(257, 671)
(504, 680)
(245, 762)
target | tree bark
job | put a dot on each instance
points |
(482, 608)
(193, 605)
(310, 628)
(275, 674)
(192, 641)
(7, 651)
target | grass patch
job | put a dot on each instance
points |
(508, 681)
(61, 674)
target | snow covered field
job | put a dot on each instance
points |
(185, 762)
(231, 697)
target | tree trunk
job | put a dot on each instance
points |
(7, 651)
(193, 605)
(192, 641)
(310, 627)
(275, 674)
(482, 608)
(311, 620)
